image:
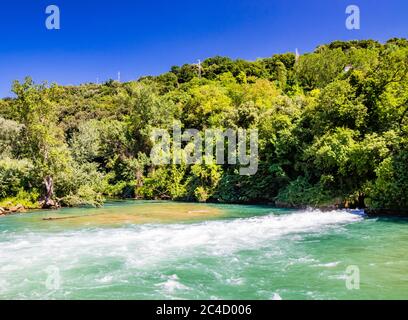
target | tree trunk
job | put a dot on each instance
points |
(49, 188)
(139, 182)
(49, 193)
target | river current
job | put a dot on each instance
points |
(166, 250)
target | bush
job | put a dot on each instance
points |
(302, 193)
(390, 189)
(9, 132)
(85, 196)
(15, 175)
(27, 199)
(201, 194)
(80, 185)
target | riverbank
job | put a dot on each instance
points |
(12, 210)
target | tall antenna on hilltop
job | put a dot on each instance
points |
(200, 68)
(297, 55)
(119, 76)
(97, 80)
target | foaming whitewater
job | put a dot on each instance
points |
(142, 248)
(144, 244)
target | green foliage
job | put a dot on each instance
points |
(390, 189)
(316, 70)
(302, 193)
(203, 180)
(84, 196)
(331, 152)
(208, 106)
(338, 106)
(15, 175)
(29, 200)
(9, 136)
(333, 128)
(165, 183)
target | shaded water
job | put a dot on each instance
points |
(165, 250)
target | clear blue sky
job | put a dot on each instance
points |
(138, 37)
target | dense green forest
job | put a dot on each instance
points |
(333, 130)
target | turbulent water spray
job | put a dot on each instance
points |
(146, 248)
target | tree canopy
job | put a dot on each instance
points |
(333, 129)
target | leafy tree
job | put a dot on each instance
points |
(316, 70)
(42, 139)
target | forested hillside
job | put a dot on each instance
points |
(333, 130)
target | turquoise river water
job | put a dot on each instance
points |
(166, 250)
